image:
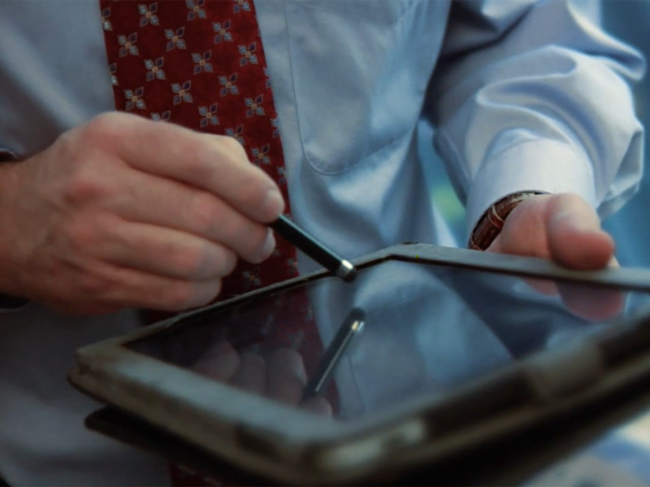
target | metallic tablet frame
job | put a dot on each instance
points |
(293, 446)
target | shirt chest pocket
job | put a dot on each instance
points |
(357, 75)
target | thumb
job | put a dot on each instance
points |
(575, 238)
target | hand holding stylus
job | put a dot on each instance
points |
(125, 212)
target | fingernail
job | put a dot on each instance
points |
(269, 245)
(273, 205)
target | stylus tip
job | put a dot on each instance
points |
(346, 271)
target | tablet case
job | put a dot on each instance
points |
(509, 459)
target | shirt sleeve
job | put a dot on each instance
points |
(534, 95)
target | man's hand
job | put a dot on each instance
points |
(126, 212)
(562, 227)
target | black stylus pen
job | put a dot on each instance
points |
(314, 249)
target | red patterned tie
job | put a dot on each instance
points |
(201, 64)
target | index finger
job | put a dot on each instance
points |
(214, 163)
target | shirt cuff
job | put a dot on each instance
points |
(546, 165)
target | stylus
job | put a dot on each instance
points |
(352, 325)
(314, 249)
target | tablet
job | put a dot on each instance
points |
(431, 351)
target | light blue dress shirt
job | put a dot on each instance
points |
(524, 94)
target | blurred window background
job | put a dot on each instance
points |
(629, 21)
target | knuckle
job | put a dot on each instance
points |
(196, 161)
(81, 236)
(231, 145)
(180, 296)
(107, 128)
(571, 199)
(91, 285)
(84, 186)
(252, 191)
(188, 262)
(203, 213)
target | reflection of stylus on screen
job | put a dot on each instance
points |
(352, 325)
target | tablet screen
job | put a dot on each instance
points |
(401, 330)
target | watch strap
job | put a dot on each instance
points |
(491, 223)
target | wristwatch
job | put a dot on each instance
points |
(490, 224)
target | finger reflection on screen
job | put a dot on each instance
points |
(589, 302)
(220, 362)
(592, 303)
(280, 376)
